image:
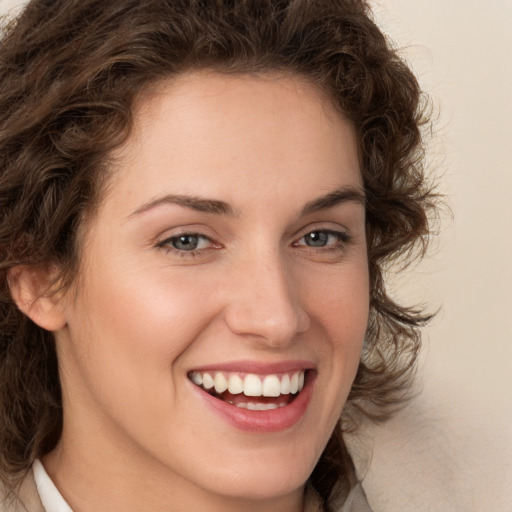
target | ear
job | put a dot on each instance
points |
(33, 291)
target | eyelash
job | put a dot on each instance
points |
(167, 245)
(343, 239)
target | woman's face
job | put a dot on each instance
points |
(230, 247)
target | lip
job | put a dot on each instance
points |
(273, 420)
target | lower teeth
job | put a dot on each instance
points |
(257, 407)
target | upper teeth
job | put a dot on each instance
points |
(250, 384)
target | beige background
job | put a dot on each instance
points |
(451, 449)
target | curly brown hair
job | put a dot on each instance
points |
(70, 71)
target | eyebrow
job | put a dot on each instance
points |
(199, 204)
(332, 199)
(218, 207)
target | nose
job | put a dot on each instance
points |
(264, 301)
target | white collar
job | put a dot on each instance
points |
(51, 498)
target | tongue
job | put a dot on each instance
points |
(241, 398)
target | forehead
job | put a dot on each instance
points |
(221, 135)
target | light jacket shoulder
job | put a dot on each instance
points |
(25, 500)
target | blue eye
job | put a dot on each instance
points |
(323, 238)
(185, 242)
(317, 239)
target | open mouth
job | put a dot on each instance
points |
(249, 390)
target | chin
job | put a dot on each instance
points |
(264, 477)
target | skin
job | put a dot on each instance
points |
(141, 315)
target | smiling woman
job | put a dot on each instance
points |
(197, 202)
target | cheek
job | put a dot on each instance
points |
(126, 334)
(340, 307)
(126, 337)
(341, 303)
